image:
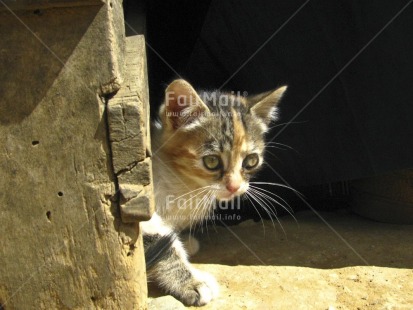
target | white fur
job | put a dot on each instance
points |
(172, 215)
(155, 226)
(208, 288)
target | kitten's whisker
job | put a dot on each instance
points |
(249, 194)
(284, 145)
(272, 143)
(199, 210)
(182, 207)
(206, 211)
(264, 206)
(199, 215)
(190, 199)
(289, 209)
(263, 197)
(212, 202)
(197, 189)
(210, 210)
(275, 147)
(192, 219)
(289, 123)
(266, 197)
(272, 154)
(280, 185)
(271, 193)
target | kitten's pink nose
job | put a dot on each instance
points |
(232, 188)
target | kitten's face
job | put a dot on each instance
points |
(215, 140)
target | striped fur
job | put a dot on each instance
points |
(206, 146)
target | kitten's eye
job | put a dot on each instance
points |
(212, 162)
(251, 161)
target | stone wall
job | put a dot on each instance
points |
(62, 242)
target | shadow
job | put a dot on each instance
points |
(347, 240)
(102, 134)
(155, 291)
(35, 47)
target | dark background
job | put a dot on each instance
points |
(355, 87)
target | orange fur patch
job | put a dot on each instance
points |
(238, 142)
(181, 150)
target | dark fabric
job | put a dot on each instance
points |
(359, 125)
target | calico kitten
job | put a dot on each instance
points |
(206, 147)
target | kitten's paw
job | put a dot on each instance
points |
(201, 290)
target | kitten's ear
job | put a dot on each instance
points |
(182, 105)
(264, 105)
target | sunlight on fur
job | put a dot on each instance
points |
(207, 145)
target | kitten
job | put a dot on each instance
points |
(206, 146)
